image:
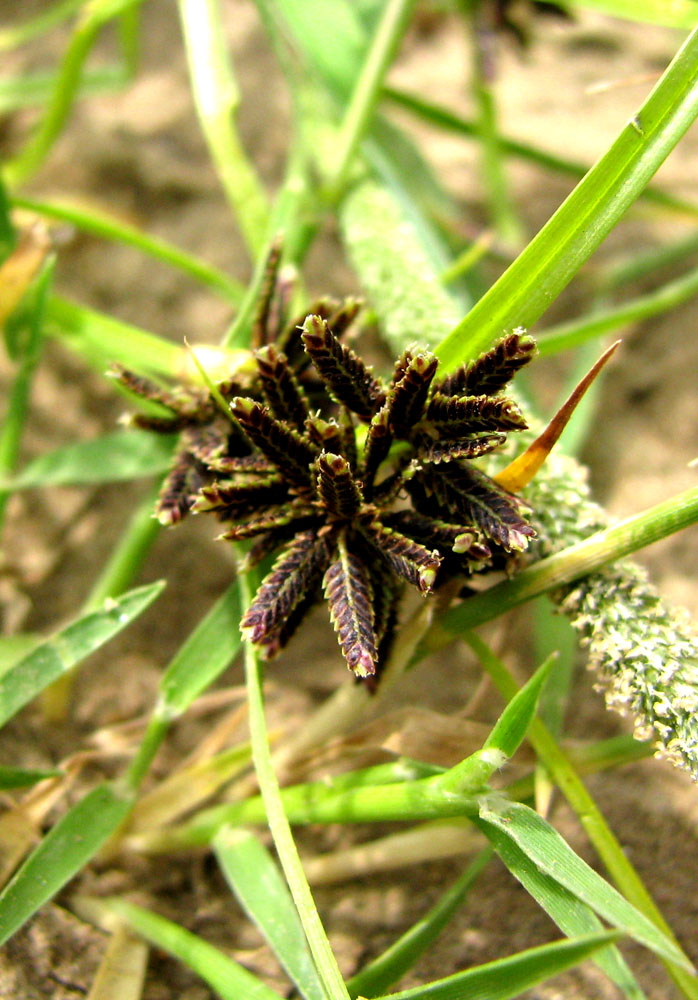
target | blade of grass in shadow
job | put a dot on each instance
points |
(57, 110)
(216, 97)
(30, 675)
(578, 331)
(525, 290)
(385, 970)
(61, 854)
(97, 223)
(450, 121)
(130, 454)
(260, 889)
(509, 977)
(229, 979)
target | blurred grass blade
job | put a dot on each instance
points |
(132, 454)
(578, 331)
(103, 340)
(554, 857)
(217, 99)
(509, 977)
(229, 980)
(512, 725)
(35, 89)
(19, 777)
(262, 892)
(403, 954)
(206, 653)
(59, 105)
(553, 257)
(451, 121)
(14, 647)
(30, 675)
(18, 34)
(121, 972)
(675, 14)
(61, 854)
(98, 223)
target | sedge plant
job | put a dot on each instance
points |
(334, 479)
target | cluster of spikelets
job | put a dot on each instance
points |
(358, 485)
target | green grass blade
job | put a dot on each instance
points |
(578, 331)
(216, 97)
(19, 777)
(60, 855)
(554, 857)
(512, 725)
(56, 656)
(450, 121)
(509, 977)
(229, 980)
(204, 655)
(262, 892)
(403, 954)
(103, 340)
(677, 14)
(582, 222)
(58, 107)
(35, 89)
(14, 647)
(20, 34)
(110, 228)
(132, 454)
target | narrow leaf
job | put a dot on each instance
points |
(229, 979)
(553, 856)
(61, 854)
(509, 977)
(512, 725)
(19, 777)
(262, 892)
(56, 656)
(111, 458)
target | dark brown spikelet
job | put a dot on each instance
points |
(234, 500)
(449, 451)
(298, 571)
(336, 488)
(261, 323)
(494, 369)
(283, 447)
(413, 562)
(285, 398)
(408, 394)
(346, 377)
(347, 587)
(459, 416)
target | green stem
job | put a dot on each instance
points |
(389, 34)
(602, 837)
(572, 563)
(575, 332)
(279, 826)
(110, 228)
(17, 171)
(452, 122)
(217, 99)
(20, 34)
(492, 175)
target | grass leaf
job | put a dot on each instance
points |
(230, 980)
(262, 892)
(53, 658)
(122, 455)
(60, 855)
(19, 777)
(509, 977)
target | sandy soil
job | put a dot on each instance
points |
(140, 154)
